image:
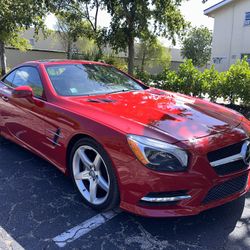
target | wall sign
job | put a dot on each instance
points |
(218, 60)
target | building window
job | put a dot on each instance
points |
(247, 56)
(247, 19)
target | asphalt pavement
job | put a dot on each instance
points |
(38, 203)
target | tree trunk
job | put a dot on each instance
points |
(3, 58)
(143, 60)
(99, 54)
(131, 55)
(69, 50)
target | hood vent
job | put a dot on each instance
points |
(100, 100)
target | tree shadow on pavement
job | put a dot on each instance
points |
(210, 229)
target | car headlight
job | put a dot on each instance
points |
(158, 155)
(245, 124)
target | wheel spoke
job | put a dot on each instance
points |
(97, 162)
(102, 183)
(91, 174)
(82, 175)
(85, 159)
(92, 190)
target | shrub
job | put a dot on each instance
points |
(189, 79)
(7, 70)
(168, 80)
(231, 85)
(211, 83)
(143, 76)
(236, 83)
(119, 63)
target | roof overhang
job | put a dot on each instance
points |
(209, 11)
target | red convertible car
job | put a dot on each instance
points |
(152, 152)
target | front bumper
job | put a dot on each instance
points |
(196, 204)
(200, 182)
(137, 181)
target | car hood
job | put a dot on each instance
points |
(182, 117)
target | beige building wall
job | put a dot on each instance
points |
(51, 42)
(231, 37)
(16, 57)
(52, 47)
(49, 47)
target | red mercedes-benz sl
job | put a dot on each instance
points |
(152, 152)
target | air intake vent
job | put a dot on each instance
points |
(226, 189)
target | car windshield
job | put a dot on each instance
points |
(89, 79)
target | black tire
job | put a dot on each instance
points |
(113, 197)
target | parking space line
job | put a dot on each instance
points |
(7, 241)
(85, 227)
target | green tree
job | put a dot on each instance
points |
(152, 51)
(81, 17)
(86, 49)
(131, 19)
(71, 30)
(197, 46)
(15, 16)
(64, 30)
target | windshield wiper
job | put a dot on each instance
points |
(121, 90)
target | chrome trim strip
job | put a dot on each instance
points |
(54, 133)
(227, 160)
(240, 156)
(166, 199)
(54, 143)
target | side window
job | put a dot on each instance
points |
(8, 80)
(29, 76)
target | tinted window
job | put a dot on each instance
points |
(9, 78)
(89, 79)
(29, 76)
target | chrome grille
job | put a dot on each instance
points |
(229, 159)
(225, 152)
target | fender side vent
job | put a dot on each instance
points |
(54, 136)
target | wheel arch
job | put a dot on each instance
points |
(71, 144)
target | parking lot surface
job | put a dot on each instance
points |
(38, 203)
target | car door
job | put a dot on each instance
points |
(23, 118)
(5, 107)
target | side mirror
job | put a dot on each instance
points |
(22, 92)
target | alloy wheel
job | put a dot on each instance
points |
(91, 175)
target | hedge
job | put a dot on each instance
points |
(231, 85)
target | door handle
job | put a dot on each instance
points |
(5, 98)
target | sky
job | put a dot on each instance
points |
(192, 10)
